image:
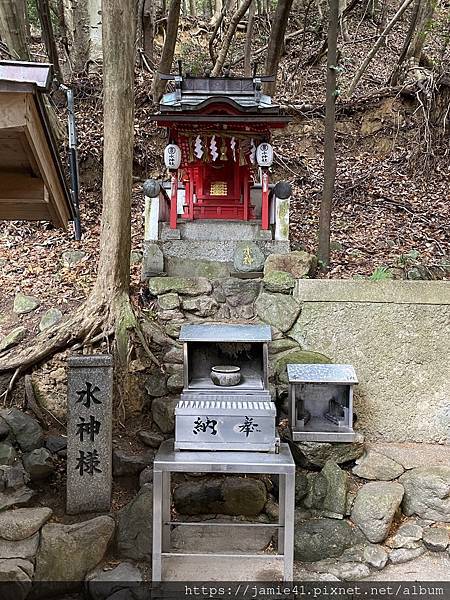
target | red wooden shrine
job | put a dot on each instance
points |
(216, 126)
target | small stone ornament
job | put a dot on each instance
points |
(226, 375)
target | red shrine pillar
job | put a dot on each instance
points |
(265, 199)
(173, 199)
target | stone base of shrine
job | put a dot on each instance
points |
(208, 248)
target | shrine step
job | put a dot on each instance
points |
(214, 230)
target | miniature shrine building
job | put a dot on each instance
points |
(219, 153)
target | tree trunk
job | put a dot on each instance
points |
(218, 7)
(168, 51)
(329, 162)
(360, 72)
(248, 39)
(49, 36)
(83, 20)
(192, 8)
(276, 42)
(228, 37)
(13, 29)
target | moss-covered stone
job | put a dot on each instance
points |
(298, 357)
(278, 310)
(188, 286)
(282, 345)
(298, 263)
(279, 281)
(24, 304)
(14, 337)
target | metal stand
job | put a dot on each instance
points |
(168, 461)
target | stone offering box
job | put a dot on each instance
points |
(220, 417)
(321, 402)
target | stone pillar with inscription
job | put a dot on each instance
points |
(89, 433)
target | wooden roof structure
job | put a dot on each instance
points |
(32, 182)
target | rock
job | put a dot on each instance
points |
(237, 292)
(56, 443)
(170, 315)
(26, 430)
(71, 258)
(134, 526)
(401, 555)
(278, 310)
(175, 383)
(4, 429)
(152, 261)
(248, 257)
(13, 476)
(25, 304)
(135, 257)
(322, 538)
(49, 318)
(272, 510)
(374, 509)
(203, 306)
(409, 535)
(174, 356)
(173, 329)
(278, 282)
(25, 549)
(22, 523)
(101, 585)
(15, 578)
(14, 337)
(377, 466)
(15, 497)
(427, 493)
(350, 571)
(316, 454)
(375, 556)
(282, 345)
(163, 413)
(435, 538)
(126, 464)
(333, 481)
(301, 487)
(297, 357)
(39, 464)
(68, 552)
(150, 438)
(187, 286)
(7, 454)
(230, 496)
(298, 263)
(146, 476)
(169, 301)
(155, 384)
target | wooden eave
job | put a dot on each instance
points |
(32, 184)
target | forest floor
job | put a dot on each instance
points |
(391, 207)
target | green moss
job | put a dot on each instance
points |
(298, 357)
(279, 281)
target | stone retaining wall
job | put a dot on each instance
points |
(396, 334)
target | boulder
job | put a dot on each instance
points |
(25, 304)
(23, 522)
(378, 467)
(175, 382)
(317, 539)
(375, 556)
(152, 261)
(153, 439)
(163, 413)
(169, 301)
(186, 286)
(15, 497)
(25, 549)
(315, 454)
(51, 317)
(408, 535)
(13, 476)
(427, 492)
(71, 258)
(402, 555)
(68, 552)
(237, 292)
(229, 496)
(279, 282)
(297, 357)
(282, 345)
(14, 337)
(327, 491)
(15, 578)
(4, 430)
(100, 584)
(39, 464)
(128, 464)
(298, 263)
(301, 487)
(134, 526)
(26, 430)
(174, 356)
(56, 444)
(203, 306)
(375, 507)
(436, 539)
(7, 454)
(278, 310)
(248, 257)
(146, 476)
(155, 384)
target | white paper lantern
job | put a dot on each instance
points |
(172, 157)
(264, 155)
